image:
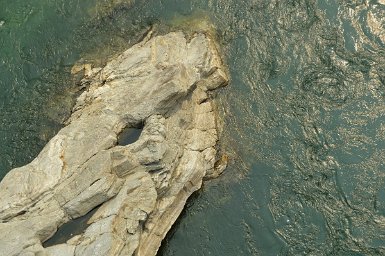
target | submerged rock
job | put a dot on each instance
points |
(142, 187)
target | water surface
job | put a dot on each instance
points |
(304, 115)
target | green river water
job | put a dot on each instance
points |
(304, 114)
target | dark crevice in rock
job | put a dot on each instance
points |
(70, 229)
(204, 100)
(129, 135)
(94, 182)
(20, 213)
(155, 169)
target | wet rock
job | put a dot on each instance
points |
(376, 23)
(142, 187)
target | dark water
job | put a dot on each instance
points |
(129, 135)
(304, 114)
(70, 229)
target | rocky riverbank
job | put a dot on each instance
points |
(162, 83)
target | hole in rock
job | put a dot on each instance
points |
(70, 229)
(129, 135)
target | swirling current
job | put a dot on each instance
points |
(303, 116)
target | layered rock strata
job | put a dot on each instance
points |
(162, 83)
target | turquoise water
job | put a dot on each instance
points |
(304, 114)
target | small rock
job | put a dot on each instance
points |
(219, 166)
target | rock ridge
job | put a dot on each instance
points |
(164, 83)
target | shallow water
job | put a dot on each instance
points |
(129, 135)
(304, 114)
(70, 229)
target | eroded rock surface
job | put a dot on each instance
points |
(163, 83)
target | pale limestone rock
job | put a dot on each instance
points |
(61, 250)
(376, 23)
(163, 83)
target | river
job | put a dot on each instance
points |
(304, 114)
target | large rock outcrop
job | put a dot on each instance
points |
(161, 83)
